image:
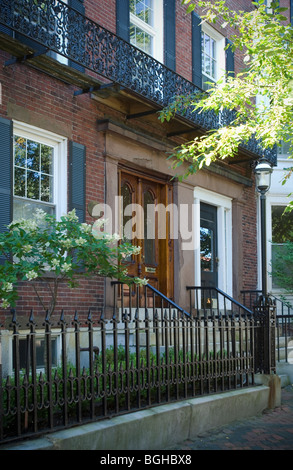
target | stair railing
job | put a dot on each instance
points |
(212, 300)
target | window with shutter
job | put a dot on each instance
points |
(210, 59)
(213, 56)
(39, 172)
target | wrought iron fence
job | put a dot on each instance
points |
(54, 26)
(284, 323)
(211, 301)
(60, 373)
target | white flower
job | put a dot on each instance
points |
(31, 275)
(5, 304)
(66, 267)
(55, 263)
(67, 243)
(7, 286)
(80, 241)
(71, 216)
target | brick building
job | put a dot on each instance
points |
(85, 81)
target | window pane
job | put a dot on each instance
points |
(33, 170)
(213, 49)
(46, 188)
(206, 249)
(25, 358)
(24, 209)
(213, 70)
(209, 63)
(206, 44)
(282, 225)
(282, 232)
(20, 151)
(33, 185)
(141, 39)
(143, 9)
(46, 159)
(19, 182)
(33, 155)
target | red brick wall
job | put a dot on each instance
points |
(102, 12)
(50, 104)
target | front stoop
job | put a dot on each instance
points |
(162, 426)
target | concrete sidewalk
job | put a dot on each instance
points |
(272, 430)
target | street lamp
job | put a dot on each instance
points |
(263, 171)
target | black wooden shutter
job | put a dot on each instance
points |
(78, 6)
(6, 162)
(291, 11)
(77, 174)
(122, 19)
(229, 58)
(169, 34)
(196, 50)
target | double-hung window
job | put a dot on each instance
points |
(213, 56)
(146, 26)
(39, 172)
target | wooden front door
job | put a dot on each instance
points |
(147, 228)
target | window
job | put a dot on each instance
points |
(282, 232)
(146, 26)
(25, 359)
(39, 172)
(213, 56)
(284, 150)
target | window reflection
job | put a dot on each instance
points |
(206, 249)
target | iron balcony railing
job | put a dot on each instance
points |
(56, 27)
(61, 372)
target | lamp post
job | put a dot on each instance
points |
(263, 172)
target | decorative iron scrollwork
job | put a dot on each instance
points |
(53, 24)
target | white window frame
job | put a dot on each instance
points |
(156, 31)
(59, 144)
(219, 53)
(224, 230)
(272, 200)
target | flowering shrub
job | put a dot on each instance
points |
(68, 249)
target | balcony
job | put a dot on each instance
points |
(59, 40)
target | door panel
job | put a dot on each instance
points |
(140, 225)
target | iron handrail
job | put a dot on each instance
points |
(258, 292)
(162, 297)
(226, 296)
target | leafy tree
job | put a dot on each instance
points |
(265, 38)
